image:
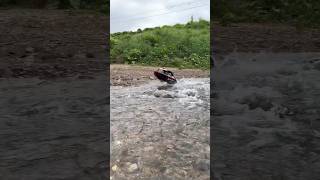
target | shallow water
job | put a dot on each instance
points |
(266, 117)
(160, 130)
(53, 129)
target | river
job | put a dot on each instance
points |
(161, 131)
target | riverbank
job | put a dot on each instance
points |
(132, 75)
(262, 37)
(51, 44)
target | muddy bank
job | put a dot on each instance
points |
(266, 117)
(127, 75)
(263, 37)
(52, 43)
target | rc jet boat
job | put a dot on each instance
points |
(165, 76)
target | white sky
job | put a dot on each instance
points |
(130, 15)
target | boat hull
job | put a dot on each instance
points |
(165, 78)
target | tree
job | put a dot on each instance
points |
(64, 4)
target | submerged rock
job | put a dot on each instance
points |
(202, 165)
(133, 167)
(114, 168)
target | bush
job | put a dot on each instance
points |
(295, 12)
(182, 46)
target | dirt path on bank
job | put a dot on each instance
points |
(126, 75)
(263, 37)
(52, 43)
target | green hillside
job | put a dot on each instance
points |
(294, 12)
(181, 45)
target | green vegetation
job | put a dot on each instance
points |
(181, 45)
(97, 5)
(294, 12)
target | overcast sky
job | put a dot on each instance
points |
(130, 15)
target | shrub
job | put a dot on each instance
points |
(182, 46)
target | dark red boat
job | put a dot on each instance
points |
(166, 76)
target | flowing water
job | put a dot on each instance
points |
(161, 131)
(266, 117)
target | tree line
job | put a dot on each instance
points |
(293, 12)
(99, 5)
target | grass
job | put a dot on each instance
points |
(181, 46)
(299, 13)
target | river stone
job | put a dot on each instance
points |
(114, 168)
(133, 167)
(191, 93)
(168, 96)
(202, 165)
(149, 148)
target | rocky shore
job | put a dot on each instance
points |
(128, 75)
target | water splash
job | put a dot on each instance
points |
(157, 116)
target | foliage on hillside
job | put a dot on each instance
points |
(181, 45)
(98, 5)
(294, 12)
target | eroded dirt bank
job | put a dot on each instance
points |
(127, 75)
(52, 43)
(263, 37)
